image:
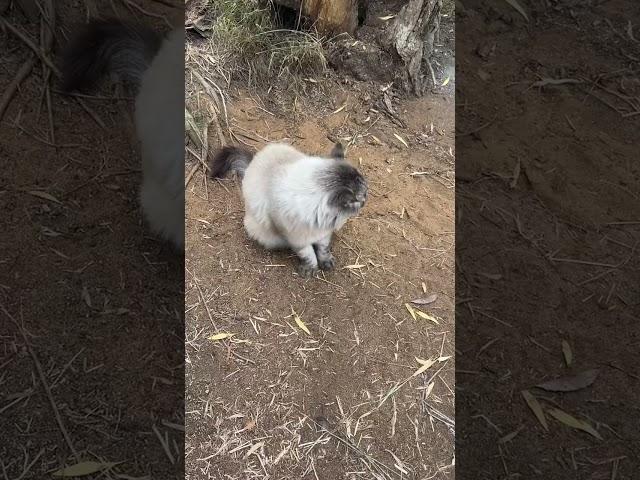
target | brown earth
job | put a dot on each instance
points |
(547, 227)
(99, 299)
(257, 402)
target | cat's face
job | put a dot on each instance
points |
(346, 186)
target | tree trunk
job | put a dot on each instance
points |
(331, 16)
(412, 35)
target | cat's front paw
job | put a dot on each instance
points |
(327, 263)
(306, 270)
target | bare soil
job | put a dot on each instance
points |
(275, 402)
(548, 187)
(99, 300)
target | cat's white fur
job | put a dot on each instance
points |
(284, 208)
(159, 117)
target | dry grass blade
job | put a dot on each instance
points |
(300, 323)
(425, 365)
(518, 7)
(12, 88)
(339, 109)
(221, 336)
(411, 311)
(573, 422)
(402, 140)
(510, 436)
(83, 469)
(567, 353)
(441, 417)
(43, 381)
(554, 81)
(367, 459)
(44, 195)
(241, 37)
(536, 408)
(427, 316)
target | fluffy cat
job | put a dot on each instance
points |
(154, 67)
(293, 200)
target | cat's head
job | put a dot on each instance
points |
(346, 187)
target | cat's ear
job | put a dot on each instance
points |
(338, 151)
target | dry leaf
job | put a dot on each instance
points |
(340, 109)
(83, 468)
(426, 316)
(44, 195)
(411, 311)
(571, 383)
(484, 75)
(566, 351)
(254, 449)
(573, 422)
(425, 364)
(353, 267)
(428, 391)
(446, 81)
(422, 361)
(425, 301)
(300, 323)
(401, 139)
(518, 7)
(491, 276)
(221, 336)
(535, 407)
(510, 436)
(388, 17)
(444, 359)
(516, 175)
(86, 297)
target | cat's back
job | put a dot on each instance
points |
(160, 107)
(276, 154)
(268, 165)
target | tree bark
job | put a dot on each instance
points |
(331, 16)
(412, 35)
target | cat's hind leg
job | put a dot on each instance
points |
(265, 235)
(325, 258)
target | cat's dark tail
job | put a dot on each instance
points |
(230, 159)
(108, 46)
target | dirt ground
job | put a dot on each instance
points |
(548, 188)
(99, 299)
(275, 402)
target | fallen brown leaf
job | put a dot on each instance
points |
(571, 383)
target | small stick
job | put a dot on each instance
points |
(168, 4)
(22, 36)
(47, 61)
(43, 380)
(481, 127)
(433, 75)
(582, 262)
(10, 91)
(130, 4)
(554, 81)
(191, 173)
